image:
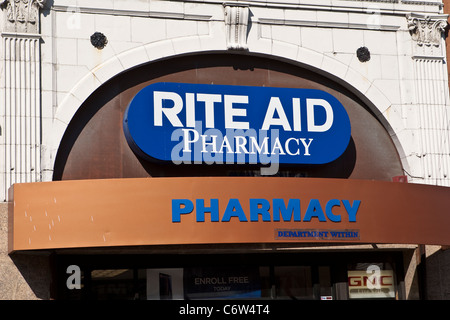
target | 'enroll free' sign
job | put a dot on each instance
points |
(236, 124)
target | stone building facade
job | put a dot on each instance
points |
(389, 54)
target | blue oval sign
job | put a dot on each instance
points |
(199, 123)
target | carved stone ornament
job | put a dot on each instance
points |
(22, 15)
(363, 54)
(99, 40)
(427, 30)
(236, 22)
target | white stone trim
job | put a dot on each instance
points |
(134, 13)
(177, 9)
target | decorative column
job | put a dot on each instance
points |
(20, 111)
(236, 22)
(432, 96)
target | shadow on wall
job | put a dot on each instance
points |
(33, 276)
(437, 271)
(23, 276)
(411, 275)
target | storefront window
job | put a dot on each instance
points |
(325, 284)
(296, 277)
(165, 284)
(293, 282)
(117, 284)
(280, 282)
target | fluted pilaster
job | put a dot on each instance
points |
(20, 113)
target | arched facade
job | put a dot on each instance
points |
(80, 196)
(316, 62)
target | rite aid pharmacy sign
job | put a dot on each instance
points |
(183, 122)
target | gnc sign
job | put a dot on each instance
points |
(372, 283)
